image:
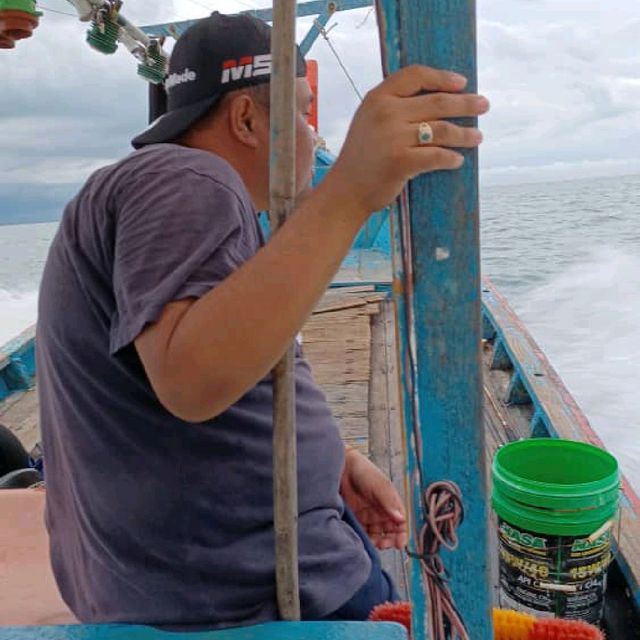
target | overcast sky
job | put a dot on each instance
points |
(563, 77)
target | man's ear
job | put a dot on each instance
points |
(244, 122)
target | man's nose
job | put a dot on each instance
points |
(315, 137)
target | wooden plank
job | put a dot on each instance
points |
(336, 343)
(348, 290)
(338, 304)
(365, 266)
(378, 402)
(385, 431)
(20, 413)
(351, 300)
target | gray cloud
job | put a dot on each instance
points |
(563, 83)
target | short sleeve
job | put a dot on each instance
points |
(177, 236)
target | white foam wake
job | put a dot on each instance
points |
(587, 321)
(18, 311)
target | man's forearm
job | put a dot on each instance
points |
(231, 337)
(212, 351)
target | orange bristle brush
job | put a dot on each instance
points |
(399, 612)
(512, 625)
(507, 625)
(554, 629)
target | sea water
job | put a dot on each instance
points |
(565, 254)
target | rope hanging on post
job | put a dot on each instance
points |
(443, 513)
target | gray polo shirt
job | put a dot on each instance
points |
(153, 519)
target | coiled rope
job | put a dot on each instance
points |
(443, 512)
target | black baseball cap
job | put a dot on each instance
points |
(216, 55)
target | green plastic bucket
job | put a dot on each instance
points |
(550, 496)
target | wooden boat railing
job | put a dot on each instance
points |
(17, 363)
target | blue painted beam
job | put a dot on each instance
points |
(488, 330)
(271, 631)
(501, 359)
(517, 393)
(438, 300)
(313, 8)
(539, 428)
(17, 375)
(17, 363)
(316, 28)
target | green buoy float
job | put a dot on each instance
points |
(18, 19)
(154, 68)
(104, 32)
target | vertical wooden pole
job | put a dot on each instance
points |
(282, 188)
(437, 287)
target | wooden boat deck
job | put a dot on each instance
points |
(19, 412)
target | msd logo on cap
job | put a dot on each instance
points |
(246, 67)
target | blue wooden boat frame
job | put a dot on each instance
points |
(17, 364)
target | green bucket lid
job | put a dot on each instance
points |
(555, 486)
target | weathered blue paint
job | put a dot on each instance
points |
(313, 8)
(517, 392)
(375, 233)
(488, 330)
(316, 28)
(272, 631)
(17, 363)
(378, 287)
(539, 428)
(500, 358)
(324, 162)
(17, 375)
(526, 367)
(439, 319)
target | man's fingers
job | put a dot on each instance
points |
(389, 539)
(416, 79)
(437, 106)
(429, 158)
(445, 134)
(383, 541)
(375, 529)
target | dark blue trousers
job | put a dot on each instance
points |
(377, 589)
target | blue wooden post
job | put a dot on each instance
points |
(437, 288)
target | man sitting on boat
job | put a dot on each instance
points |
(161, 315)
